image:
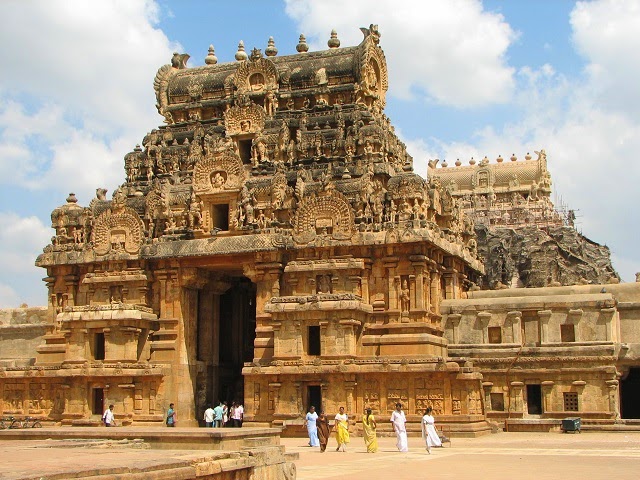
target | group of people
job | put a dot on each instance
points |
(224, 415)
(319, 431)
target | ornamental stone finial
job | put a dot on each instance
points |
(334, 41)
(211, 58)
(302, 46)
(241, 55)
(271, 50)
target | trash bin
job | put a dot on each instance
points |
(571, 424)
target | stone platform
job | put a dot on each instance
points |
(144, 453)
(158, 438)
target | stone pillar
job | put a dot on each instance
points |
(515, 317)
(349, 386)
(454, 320)
(547, 391)
(390, 263)
(324, 389)
(516, 397)
(614, 398)
(487, 386)
(274, 392)
(544, 316)
(435, 290)
(71, 286)
(299, 404)
(608, 315)
(419, 263)
(483, 319)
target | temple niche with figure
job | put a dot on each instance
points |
(272, 244)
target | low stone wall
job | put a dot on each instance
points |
(21, 331)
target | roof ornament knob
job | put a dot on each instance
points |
(472, 161)
(271, 50)
(527, 156)
(499, 159)
(513, 157)
(241, 55)
(211, 58)
(458, 162)
(302, 46)
(334, 41)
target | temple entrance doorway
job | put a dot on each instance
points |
(534, 399)
(630, 394)
(226, 330)
(314, 397)
(237, 333)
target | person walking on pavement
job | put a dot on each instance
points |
(172, 416)
(107, 417)
(398, 420)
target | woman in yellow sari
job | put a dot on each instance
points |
(342, 430)
(369, 427)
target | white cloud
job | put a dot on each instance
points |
(451, 51)
(22, 238)
(85, 73)
(76, 96)
(589, 127)
(606, 33)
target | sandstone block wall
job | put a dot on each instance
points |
(21, 331)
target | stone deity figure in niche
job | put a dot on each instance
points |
(218, 180)
(195, 212)
(323, 283)
(259, 152)
(404, 296)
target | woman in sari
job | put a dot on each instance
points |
(429, 434)
(369, 428)
(322, 424)
(312, 429)
(342, 430)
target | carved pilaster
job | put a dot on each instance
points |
(483, 319)
(544, 316)
(614, 398)
(515, 319)
(486, 387)
(547, 390)
(454, 320)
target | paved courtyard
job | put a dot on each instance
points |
(500, 456)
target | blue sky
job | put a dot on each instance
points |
(467, 79)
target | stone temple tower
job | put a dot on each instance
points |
(271, 244)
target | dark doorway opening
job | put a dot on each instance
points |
(314, 340)
(630, 394)
(237, 335)
(534, 399)
(98, 348)
(98, 401)
(314, 397)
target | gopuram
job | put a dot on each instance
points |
(272, 244)
(524, 239)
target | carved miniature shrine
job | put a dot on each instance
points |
(271, 244)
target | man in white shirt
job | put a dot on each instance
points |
(237, 416)
(398, 421)
(107, 418)
(209, 415)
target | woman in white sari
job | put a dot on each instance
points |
(429, 434)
